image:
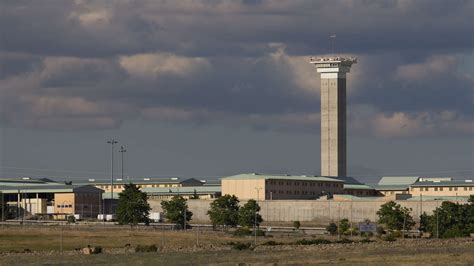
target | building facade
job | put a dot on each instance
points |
(275, 187)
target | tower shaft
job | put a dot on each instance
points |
(333, 127)
(333, 113)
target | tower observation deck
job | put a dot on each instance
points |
(333, 113)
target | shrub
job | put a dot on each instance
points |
(296, 225)
(242, 231)
(146, 248)
(241, 246)
(260, 232)
(318, 241)
(366, 240)
(344, 226)
(96, 250)
(332, 228)
(389, 238)
(380, 230)
(396, 234)
(367, 234)
(71, 219)
(453, 232)
(344, 241)
(271, 243)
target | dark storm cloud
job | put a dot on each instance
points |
(93, 64)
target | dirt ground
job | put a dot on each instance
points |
(212, 248)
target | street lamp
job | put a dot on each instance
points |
(255, 215)
(122, 151)
(112, 142)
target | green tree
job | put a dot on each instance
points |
(5, 211)
(450, 220)
(224, 211)
(176, 211)
(133, 207)
(248, 214)
(395, 217)
(344, 225)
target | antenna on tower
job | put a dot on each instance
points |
(332, 39)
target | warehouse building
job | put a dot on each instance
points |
(276, 187)
(45, 198)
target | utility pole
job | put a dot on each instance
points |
(255, 215)
(112, 142)
(122, 151)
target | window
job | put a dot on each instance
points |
(436, 189)
(441, 189)
(450, 189)
(470, 188)
(455, 188)
(465, 189)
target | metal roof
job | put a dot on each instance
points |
(357, 186)
(398, 180)
(48, 189)
(444, 183)
(281, 177)
(172, 190)
(183, 190)
(391, 187)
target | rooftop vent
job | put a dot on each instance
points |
(146, 179)
(91, 179)
(469, 180)
(202, 181)
(26, 178)
(254, 174)
(304, 176)
(119, 179)
(174, 178)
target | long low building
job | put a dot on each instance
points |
(443, 188)
(53, 199)
(273, 187)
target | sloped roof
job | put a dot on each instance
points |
(443, 183)
(48, 189)
(281, 177)
(397, 180)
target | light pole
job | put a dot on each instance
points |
(255, 215)
(122, 151)
(112, 142)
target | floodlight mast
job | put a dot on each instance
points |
(112, 142)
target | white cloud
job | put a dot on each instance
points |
(154, 65)
(431, 67)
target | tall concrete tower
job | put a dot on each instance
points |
(333, 113)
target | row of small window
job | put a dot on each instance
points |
(304, 184)
(139, 186)
(441, 188)
(289, 192)
(64, 206)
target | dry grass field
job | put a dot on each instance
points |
(179, 248)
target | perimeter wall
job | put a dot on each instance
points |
(320, 211)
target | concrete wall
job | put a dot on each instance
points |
(311, 210)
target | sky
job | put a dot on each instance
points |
(208, 88)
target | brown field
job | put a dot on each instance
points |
(180, 248)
